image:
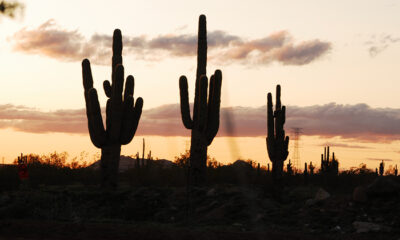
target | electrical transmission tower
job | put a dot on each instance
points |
(296, 153)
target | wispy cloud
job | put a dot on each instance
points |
(380, 159)
(359, 121)
(344, 145)
(378, 44)
(51, 40)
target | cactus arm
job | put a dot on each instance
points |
(130, 120)
(214, 106)
(87, 75)
(270, 118)
(286, 147)
(116, 104)
(107, 88)
(278, 98)
(271, 128)
(203, 103)
(185, 109)
(96, 130)
(129, 86)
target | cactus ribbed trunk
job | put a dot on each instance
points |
(198, 158)
(109, 162)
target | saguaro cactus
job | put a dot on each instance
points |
(205, 122)
(122, 117)
(277, 143)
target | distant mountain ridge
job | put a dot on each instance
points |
(127, 162)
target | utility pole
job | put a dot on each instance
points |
(296, 153)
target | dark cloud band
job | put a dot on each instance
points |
(330, 120)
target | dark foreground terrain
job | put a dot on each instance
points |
(218, 212)
(238, 202)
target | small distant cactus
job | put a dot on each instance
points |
(311, 167)
(305, 173)
(277, 143)
(122, 116)
(305, 169)
(329, 165)
(205, 122)
(381, 168)
(289, 168)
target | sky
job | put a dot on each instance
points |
(337, 63)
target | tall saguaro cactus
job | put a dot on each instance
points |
(122, 116)
(205, 122)
(277, 143)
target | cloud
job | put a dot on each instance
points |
(32, 120)
(378, 44)
(380, 159)
(344, 145)
(69, 45)
(359, 121)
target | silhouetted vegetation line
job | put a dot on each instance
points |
(205, 122)
(122, 116)
(277, 143)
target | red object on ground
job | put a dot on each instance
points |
(23, 171)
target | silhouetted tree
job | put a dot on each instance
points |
(205, 122)
(122, 116)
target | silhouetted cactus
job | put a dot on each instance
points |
(381, 168)
(205, 121)
(289, 168)
(329, 165)
(305, 174)
(122, 116)
(311, 167)
(395, 171)
(277, 143)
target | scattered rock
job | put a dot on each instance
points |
(365, 227)
(336, 229)
(360, 194)
(211, 192)
(321, 195)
